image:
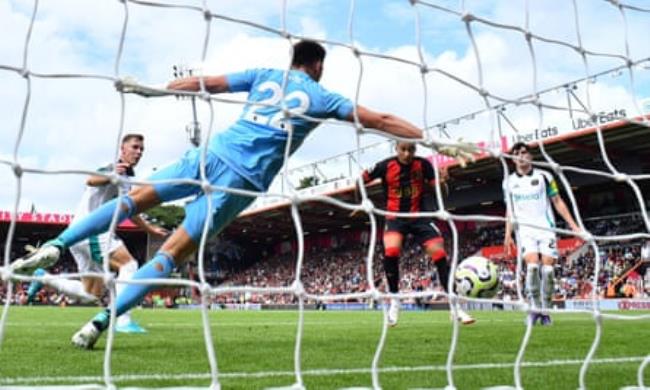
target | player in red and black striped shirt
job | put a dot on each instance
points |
(409, 183)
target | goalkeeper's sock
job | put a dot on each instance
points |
(157, 268)
(391, 269)
(548, 285)
(532, 285)
(35, 286)
(101, 320)
(98, 221)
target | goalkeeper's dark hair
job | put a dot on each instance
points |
(307, 53)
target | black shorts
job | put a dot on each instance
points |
(422, 230)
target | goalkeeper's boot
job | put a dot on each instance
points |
(88, 335)
(129, 327)
(43, 257)
(393, 312)
(464, 317)
(545, 320)
(35, 286)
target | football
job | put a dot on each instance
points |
(477, 277)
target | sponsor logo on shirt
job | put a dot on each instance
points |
(526, 197)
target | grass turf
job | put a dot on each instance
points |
(255, 350)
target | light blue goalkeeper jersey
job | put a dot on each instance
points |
(254, 145)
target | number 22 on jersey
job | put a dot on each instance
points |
(268, 111)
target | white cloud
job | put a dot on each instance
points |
(311, 27)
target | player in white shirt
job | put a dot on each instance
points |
(89, 253)
(531, 191)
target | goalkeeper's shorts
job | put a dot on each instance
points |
(225, 206)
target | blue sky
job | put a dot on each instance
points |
(75, 36)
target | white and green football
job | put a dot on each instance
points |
(477, 277)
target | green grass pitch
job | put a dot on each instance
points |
(255, 350)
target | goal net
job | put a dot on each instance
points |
(569, 78)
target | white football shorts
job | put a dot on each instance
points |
(89, 254)
(544, 244)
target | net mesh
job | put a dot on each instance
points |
(493, 116)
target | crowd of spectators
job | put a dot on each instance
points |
(333, 271)
(47, 295)
(330, 271)
(622, 271)
(343, 270)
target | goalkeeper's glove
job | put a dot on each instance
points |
(130, 85)
(463, 152)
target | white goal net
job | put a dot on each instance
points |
(502, 70)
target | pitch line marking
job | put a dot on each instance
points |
(313, 372)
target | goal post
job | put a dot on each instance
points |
(552, 88)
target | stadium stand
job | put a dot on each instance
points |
(258, 248)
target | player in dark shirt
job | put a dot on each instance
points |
(408, 182)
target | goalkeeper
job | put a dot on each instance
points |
(407, 182)
(246, 156)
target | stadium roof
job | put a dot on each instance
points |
(627, 146)
(579, 149)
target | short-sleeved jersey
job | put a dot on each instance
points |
(404, 184)
(94, 197)
(254, 146)
(530, 195)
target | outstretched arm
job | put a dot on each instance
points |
(213, 84)
(463, 152)
(387, 123)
